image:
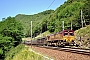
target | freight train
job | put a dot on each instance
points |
(63, 38)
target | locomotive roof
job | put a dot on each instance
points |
(68, 30)
(61, 32)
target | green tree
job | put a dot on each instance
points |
(51, 26)
(10, 34)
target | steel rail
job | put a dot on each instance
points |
(72, 50)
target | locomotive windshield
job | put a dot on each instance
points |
(65, 34)
(71, 34)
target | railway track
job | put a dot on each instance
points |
(68, 49)
(73, 50)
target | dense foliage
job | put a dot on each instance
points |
(10, 35)
(69, 12)
(39, 21)
(51, 20)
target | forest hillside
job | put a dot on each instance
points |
(51, 20)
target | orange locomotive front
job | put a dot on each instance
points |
(68, 36)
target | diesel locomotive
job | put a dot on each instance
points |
(65, 37)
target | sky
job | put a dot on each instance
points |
(28, 7)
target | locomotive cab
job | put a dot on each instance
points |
(68, 36)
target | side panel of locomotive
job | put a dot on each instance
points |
(54, 37)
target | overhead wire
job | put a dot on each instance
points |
(51, 4)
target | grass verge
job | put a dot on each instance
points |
(23, 53)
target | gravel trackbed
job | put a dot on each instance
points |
(61, 55)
